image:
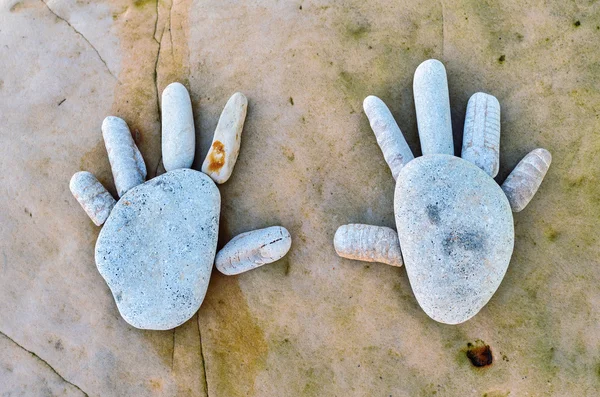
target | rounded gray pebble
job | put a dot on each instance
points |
(157, 248)
(456, 231)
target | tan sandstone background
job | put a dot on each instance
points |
(311, 324)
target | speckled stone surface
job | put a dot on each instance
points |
(157, 248)
(456, 231)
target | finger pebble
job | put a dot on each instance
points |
(178, 133)
(126, 162)
(432, 105)
(223, 152)
(396, 151)
(95, 200)
(252, 249)
(524, 181)
(368, 243)
(481, 139)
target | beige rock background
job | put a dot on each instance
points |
(312, 324)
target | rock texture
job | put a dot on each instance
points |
(178, 133)
(303, 325)
(157, 248)
(253, 249)
(225, 148)
(456, 231)
(368, 243)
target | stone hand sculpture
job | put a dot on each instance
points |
(454, 222)
(158, 244)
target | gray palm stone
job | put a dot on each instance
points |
(158, 245)
(455, 228)
(454, 223)
(160, 241)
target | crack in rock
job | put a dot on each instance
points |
(44, 362)
(202, 355)
(83, 37)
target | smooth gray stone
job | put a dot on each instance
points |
(432, 106)
(456, 231)
(178, 133)
(157, 248)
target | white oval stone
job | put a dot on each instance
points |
(456, 231)
(225, 147)
(252, 249)
(178, 133)
(157, 248)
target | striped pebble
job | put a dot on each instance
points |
(368, 243)
(481, 139)
(523, 182)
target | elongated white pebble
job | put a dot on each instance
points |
(126, 161)
(481, 139)
(96, 201)
(523, 182)
(225, 147)
(252, 249)
(395, 150)
(178, 133)
(432, 105)
(368, 243)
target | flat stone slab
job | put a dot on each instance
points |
(157, 248)
(456, 233)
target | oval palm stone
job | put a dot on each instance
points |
(456, 232)
(156, 250)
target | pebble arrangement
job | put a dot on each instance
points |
(158, 245)
(455, 232)
(454, 223)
